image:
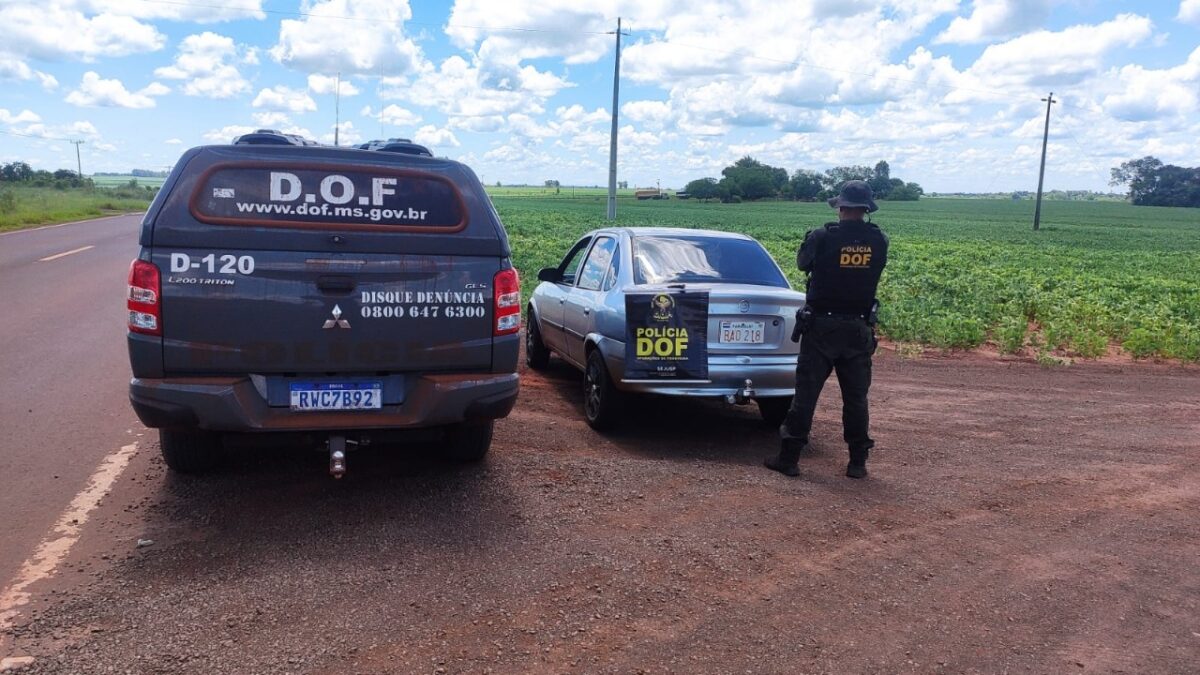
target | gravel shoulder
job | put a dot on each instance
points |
(1017, 518)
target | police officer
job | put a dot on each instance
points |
(843, 261)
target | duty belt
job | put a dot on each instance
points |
(840, 315)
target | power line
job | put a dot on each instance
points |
(43, 137)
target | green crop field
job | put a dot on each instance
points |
(962, 272)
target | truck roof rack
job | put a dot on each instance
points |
(399, 145)
(272, 137)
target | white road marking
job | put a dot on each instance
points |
(54, 548)
(64, 254)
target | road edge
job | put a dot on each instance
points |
(50, 226)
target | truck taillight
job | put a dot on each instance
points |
(506, 293)
(145, 290)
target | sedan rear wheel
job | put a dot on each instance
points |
(537, 354)
(601, 401)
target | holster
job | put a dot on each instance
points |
(873, 315)
(804, 321)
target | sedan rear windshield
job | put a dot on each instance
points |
(701, 259)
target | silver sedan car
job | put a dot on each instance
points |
(579, 312)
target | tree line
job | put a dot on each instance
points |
(20, 172)
(750, 179)
(1152, 183)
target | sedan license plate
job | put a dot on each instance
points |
(742, 332)
(322, 396)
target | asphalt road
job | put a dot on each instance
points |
(63, 395)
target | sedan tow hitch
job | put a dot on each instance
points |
(742, 396)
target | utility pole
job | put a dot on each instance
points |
(1037, 210)
(337, 108)
(78, 162)
(612, 144)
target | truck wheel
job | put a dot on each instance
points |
(469, 442)
(190, 451)
(537, 354)
(774, 410)
(601, 401)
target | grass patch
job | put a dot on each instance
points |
(22, 206)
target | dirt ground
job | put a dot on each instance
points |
(1018, 518)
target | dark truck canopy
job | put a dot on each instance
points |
(321, 198)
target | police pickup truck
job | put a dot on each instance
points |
(286, 287)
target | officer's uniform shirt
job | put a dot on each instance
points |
(844, 261)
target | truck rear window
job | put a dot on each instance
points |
(327, 196)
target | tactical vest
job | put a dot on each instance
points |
(847, 263)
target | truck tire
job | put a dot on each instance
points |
(601, 401)
(537, 354)
(191, 452)
(774, 410)
(469, 442)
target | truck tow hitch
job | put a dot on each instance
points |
(337, 454)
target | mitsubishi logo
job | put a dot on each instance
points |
(337, 321)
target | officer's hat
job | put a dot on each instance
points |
(855, 194)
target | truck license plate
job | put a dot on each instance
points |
(742, 332)
(319, 396)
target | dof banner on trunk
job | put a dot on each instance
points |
(666, 336)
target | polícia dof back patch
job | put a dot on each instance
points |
(855, 256)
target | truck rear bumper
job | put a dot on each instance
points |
(234, 404)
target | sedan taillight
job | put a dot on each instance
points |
(506, 294)
(143, 298)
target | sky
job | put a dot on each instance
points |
(947, 91)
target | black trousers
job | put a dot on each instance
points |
(845, 346)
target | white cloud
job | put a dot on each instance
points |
(271, 120)
(568, 30)
(369, 39)
(1145, 94)
(204, 61)
(996, 19)
(459, 89)
(1055, 59)
(432, 137)
(228, 133)
(12, 68)
(651, 113)
(347, 135)
(393, 115)
(173, 141)
(23, 117)
(96, 91)
(284, 99)
(327, 84)
(1189, 12)
(58, 29)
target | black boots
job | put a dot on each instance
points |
(857, 468)
(786, 462)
